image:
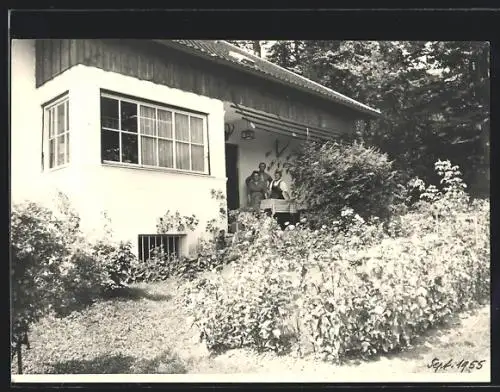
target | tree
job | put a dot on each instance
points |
(254, 47)
(434, 96)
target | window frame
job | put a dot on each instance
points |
(50, 120)
(157, 106)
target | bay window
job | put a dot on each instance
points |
(150, 135)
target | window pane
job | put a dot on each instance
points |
(164, 123)
(110, 142)
(61, 118)
(196, 130)
(129, 148)
(147, 120)
(52, 153)
(67, 114)
(129, 117)
(51, 122)
(109, 113)
(67, 147)
(148, 150)
(60, 150)
(181, 127)
(182, 155)
(197, 158)
(165, 152)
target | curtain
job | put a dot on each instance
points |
(61, 120)
(60, 150)
(165, 152)
(164, 124)
(182, 155)
(196, 130)
(197, 158)
(181, 127)
(148, 119)
(67, 147)
(148, 150)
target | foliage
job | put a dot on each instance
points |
(352, 289)
(214, 225)
(333, 175)
(54, 269)
(157, 268)
(175, 222)
(434, 97)
(38, 252)
(115, 260)
(254, 47)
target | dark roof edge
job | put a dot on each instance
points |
(357, 106)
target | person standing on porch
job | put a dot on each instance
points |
(264, 177)
(278, 188)
(257, 190)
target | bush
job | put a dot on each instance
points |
(115, 261)
(350, 288)
(38, 251)
(53, 268)
(157, 268)
(331, 176)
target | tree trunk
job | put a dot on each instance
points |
(19, 359)
(257, 48)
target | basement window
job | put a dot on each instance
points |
(169, 244)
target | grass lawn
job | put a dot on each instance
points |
(148, 332)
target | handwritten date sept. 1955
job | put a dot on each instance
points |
(451, 364)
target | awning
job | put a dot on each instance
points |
(276, 124)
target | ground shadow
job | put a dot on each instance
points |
(136, 294)
(104, 364)
(165, 363)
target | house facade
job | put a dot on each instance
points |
(137, 128)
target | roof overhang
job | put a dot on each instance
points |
(282, 126)
(364, 110)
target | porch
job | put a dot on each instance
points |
(253, 137)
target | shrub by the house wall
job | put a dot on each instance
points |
(53, 267)
(331, 176)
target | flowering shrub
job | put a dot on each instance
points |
(331, 176)
(350, 288)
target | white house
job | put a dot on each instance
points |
(138, 127)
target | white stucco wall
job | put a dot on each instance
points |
(132, 197)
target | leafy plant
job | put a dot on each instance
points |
(116, 262)
(331, 176)
(175, 222)
(352, 288)
(53, 267)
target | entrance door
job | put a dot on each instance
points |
(232, 185)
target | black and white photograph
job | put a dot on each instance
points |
(271, 210)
